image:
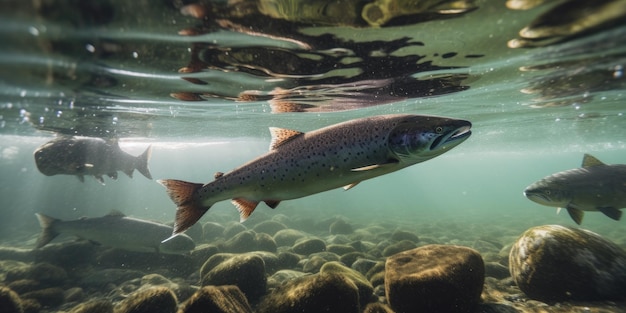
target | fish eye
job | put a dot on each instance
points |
(439, 130)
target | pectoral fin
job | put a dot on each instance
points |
(611, 212)
(348, 187)
(375, 166)
(245, 208)
(575, 214)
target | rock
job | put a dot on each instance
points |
(75, 294)
(363, 265)
(376, 274)
(377, 308)
(272, 264)
(217, 299)
(44, 273)
(202, 253)
(213, 261)
(269, 227)
(31, 306)
(365, 288)
(233, 229)
(309, 246)
(313, 264)
(434, 278)
(338, 239)
(264, 242)
(400, 235)
(398, 247)
(328, 293)
(101, 278)
(246, 271)
(287, 237)
(282, 276)
(155, 299)
(24, 285)
(351, 257)
(196, 232)
(556, 263)
(68, 254)
(241, 242)
(94, 306)
(17, 254)
(340, 249)
(212, 231)
(340, 227)
(288, 260)
(496, 270)
(10, 302)
(51, 297)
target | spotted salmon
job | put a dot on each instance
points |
(301, 164)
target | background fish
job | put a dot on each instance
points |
(593, 187)
(89, 156)
(301, 164)
(118, 231)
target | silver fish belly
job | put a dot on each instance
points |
(301, 164)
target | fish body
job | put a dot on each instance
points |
(593, 187)
(82, 156)
(118, 231)
(301, 164)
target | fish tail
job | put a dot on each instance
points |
(188, 208)
(47, 230)
(142, 163)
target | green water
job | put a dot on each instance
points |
(116, 76)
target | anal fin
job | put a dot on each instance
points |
(611, 212)
(348, 187)
(272, 203)
(576, 214)
(245, 207)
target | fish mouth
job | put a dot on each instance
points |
(452, 138)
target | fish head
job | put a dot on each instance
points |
(419, 138)
(549, 193)
(54, 158)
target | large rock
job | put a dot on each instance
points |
(155, 299)
(10, 302)
(217, 299)
(434, 278)
(557, 263)
(366, 290)
(316, 293)
(246, 271)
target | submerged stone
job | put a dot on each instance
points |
(246, 271)
(10, 302)
(94, 306)
(330, 293)
(155, 299)
(556, 263)
(217, 299)
(434, 278)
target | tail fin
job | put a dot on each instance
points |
(47, 230)
(142, 163)
(189, 208)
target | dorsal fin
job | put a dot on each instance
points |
(589, 161)
(116, 213)
(281, 135)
